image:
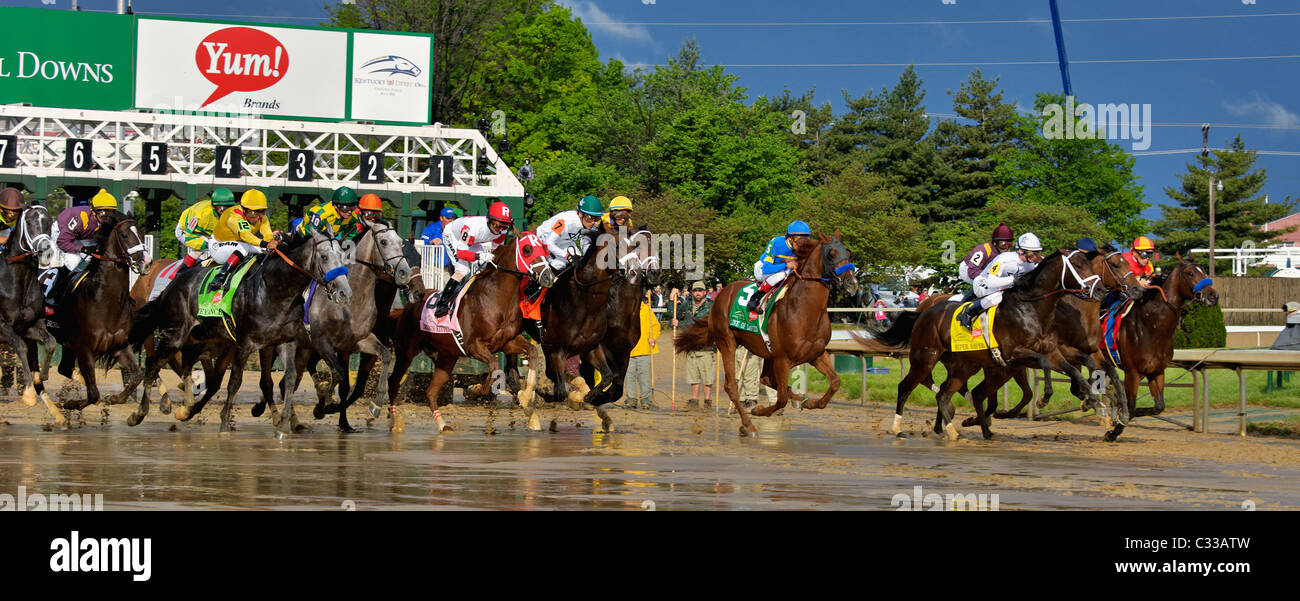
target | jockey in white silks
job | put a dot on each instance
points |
(1000, 275)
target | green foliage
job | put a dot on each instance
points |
(1091, 174)
(878, 228)
(1201, 327)
(967, 150)
(1240, 209)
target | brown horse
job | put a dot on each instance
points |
(1146, 335)
(1024, 330)
(623, 312)
(94, 319)
(490, 321)
(798, 328)
(140, 293)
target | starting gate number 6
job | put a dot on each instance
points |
(78, 155)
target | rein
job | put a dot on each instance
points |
(329, 277)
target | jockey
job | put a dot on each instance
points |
(77, 226)
(561, 234)
(371, 209)
(241, 231)
(196, 224)
(777, 261)
(1000, 275)
(979, 257)
(1139, 259)
(11, 208)
(620, 213)
(340, 214)
(469, 241)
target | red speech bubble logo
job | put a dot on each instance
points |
(240, 59)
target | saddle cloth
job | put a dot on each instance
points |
(739, 316)
(979, 338)
(164, 278)
(449, 323)
(1111, 320)
(216, 303)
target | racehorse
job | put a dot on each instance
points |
(489, 315)
(574, 322)
(94, 317)
(336, 331)
(266, 309)
(798, 328)
(1023, 330)
(640, 268)
(30, 251)
(1146, 336)
(1078, 333)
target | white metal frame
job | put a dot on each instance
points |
(431, 265)
(1244, 258)
(118, 137)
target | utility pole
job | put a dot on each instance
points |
(1205, 153)
(1060, 50)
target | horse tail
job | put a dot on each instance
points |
(893, 339)
(694, 337)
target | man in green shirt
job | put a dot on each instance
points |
(699, 363)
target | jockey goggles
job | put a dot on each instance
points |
(1145, 254)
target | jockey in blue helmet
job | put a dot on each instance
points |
(777, 262)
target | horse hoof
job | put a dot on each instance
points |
(182, 414)
(165, 403)
(258, 410)
(133, 419)
(950, 431)
(318, 411)
(29, 397)
(280, 435)
(375, 411)
(345, 429)
(896, 427)
(988, 435)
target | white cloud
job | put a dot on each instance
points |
(598, 20)
(1272, 112)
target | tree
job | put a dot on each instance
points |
(1092, 174)
(886, 132)
(967, 151)
(809, 133)
(1240, 209)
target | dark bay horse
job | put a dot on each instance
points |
(490, 321)
(799, 327)
(1023, 328)
(1146, 335)
(639, 270)
(94, 319)
(336, 331)
(267, 310)
(29, 251)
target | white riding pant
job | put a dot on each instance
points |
(771, 280)
(221, 250)
(460, 267)
(74, 261)
(198, 255)
(560, 251)
(989, 289)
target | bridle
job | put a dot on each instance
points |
(128, 261)
(1088, 284)
(391, 264)
(640, 266)
(331, 275)
(26, 241)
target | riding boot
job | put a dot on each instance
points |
(756, 300)
(186, 263)
(219, 282)
(445, 297)
(532, 290)
(968, 315)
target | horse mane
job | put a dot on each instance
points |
(1031, 279)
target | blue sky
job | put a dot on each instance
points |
(775, 55)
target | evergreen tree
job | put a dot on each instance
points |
(967, 150)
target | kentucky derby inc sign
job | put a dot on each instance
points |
(390, 77)
(66, 59)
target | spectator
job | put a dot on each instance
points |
(881, 317)
(713, 294)
(749, 378)
(637, 387)
(699, 363)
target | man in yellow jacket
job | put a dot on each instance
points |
(636, 386)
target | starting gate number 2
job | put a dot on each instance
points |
(372, 167)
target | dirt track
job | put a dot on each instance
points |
(838, 458)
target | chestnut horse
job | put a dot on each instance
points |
(1146, 335)
(798, 328)
(1024, 330)
(490, 321)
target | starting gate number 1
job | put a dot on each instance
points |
(440, 171)
(372, 167)
(300, 165)
(155, 159)
(229, 162)
(8, 151)
(77, 156)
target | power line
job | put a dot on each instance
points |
(889, 23)
(990, 63)
(1282, 153)
(1196, 125)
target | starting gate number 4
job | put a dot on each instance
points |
(372, 167)
(229, 162)
(77, 156)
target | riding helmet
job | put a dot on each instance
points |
(371, 202)
(1002, 232)
(222, 197)
(798, 228)
(253, 200)
(499, 212)
(591, 206)
(345, 196)
(1143, 243)
(11, 198)
(103, 200)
